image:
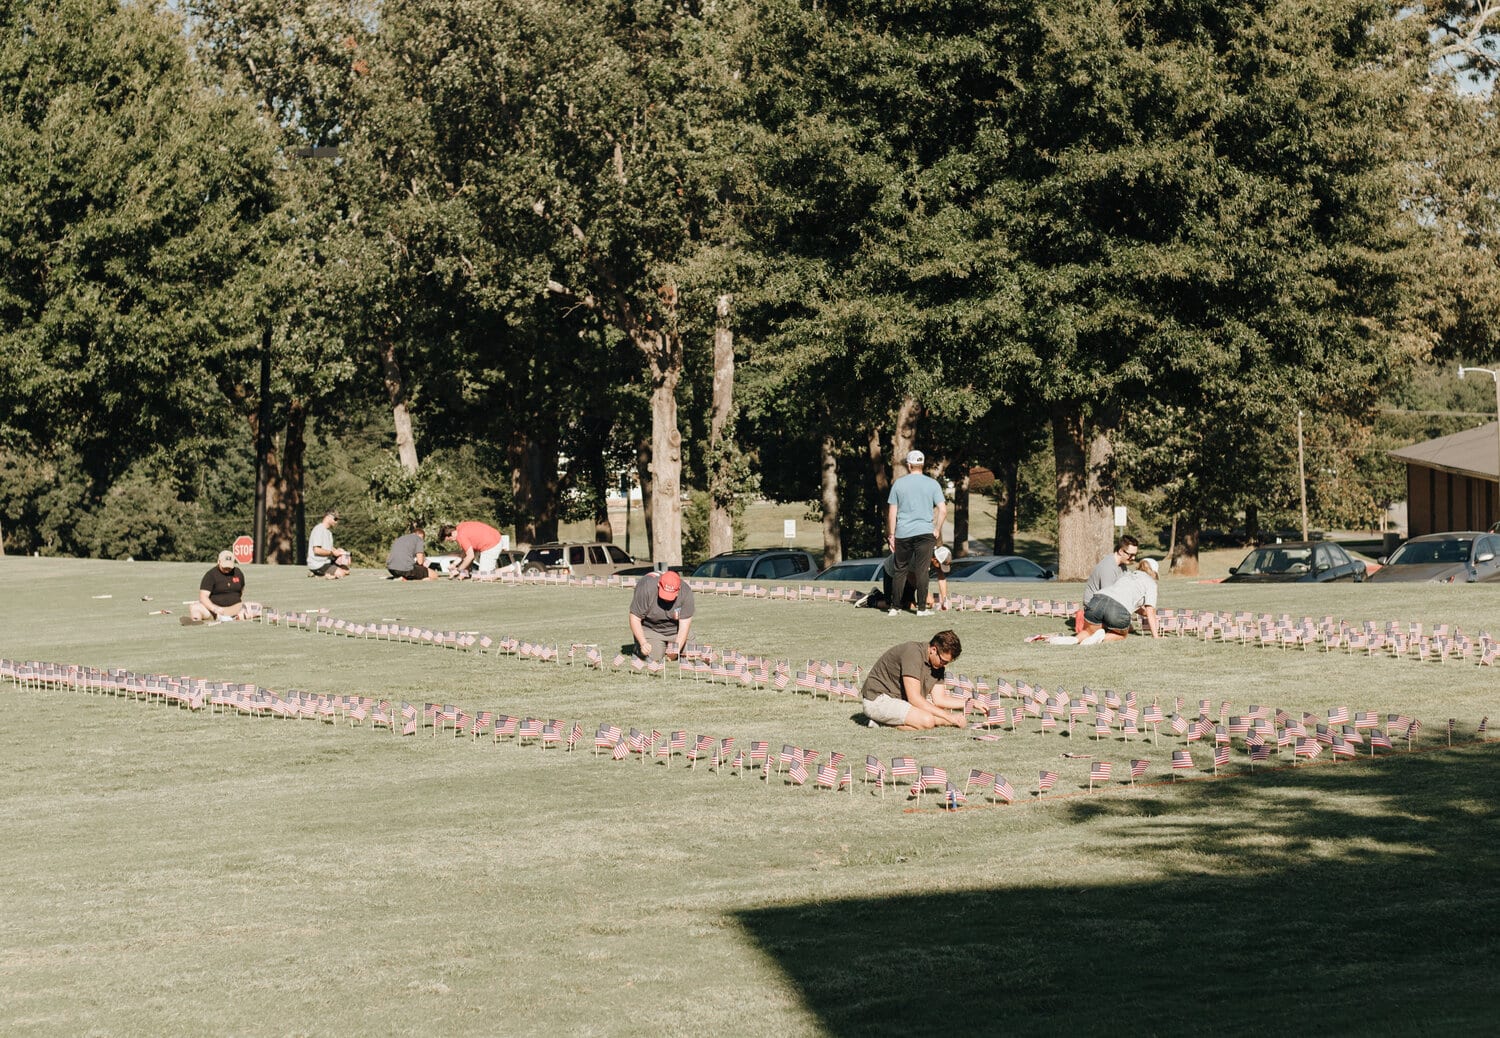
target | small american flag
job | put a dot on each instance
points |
(1004, 790)
(827, 775)
(932, 777)
(873, 766)
(1182, 760)
(607, 736)
(903, 766)
(1260, 751)
(759, 749)
(798, 772)
(1045, 781)
(1138, 768)
(575, 734)
(1221, 757)
(621, 750)
(1309, 748)
(1101, 771)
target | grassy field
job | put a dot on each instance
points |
(172, 873)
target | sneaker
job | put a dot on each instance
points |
(869, 722)
(893, 612)
(1093, 639)
(924, 612)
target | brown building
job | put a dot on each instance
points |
(1450, 481)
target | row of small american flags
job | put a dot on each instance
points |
(835, 679)
(1391, 639)
(1257, 728)
(1105, 715)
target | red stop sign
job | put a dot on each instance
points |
(244, 550)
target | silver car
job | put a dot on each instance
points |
(1004, 569)
(1443, 558)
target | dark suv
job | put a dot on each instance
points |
(759, 564)
(577, 560)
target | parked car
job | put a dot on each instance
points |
(1444, 558)
(857, 571)
(1305, 562)
(447, 565)
(759, 564)
(997, 568)
(576, 560)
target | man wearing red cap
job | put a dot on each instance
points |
(661, 614)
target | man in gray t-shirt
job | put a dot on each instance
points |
(408, 557)
(1111, 567)
(905, 688)
(661, 614)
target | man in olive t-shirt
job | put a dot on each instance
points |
(905, 688)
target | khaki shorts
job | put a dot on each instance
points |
(887, 710)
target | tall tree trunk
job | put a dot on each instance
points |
(1252, 524)
(721, 437)
(1084, 522)
(904, 436)
(598, 477)
(1007, 489)
(833, 541)
(643, 469)
(395, 388)
(878, 467)
(534, 486)
(663, 351)
(286, 528)
(1185, 561)
(961, 509)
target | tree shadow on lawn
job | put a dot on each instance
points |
(1348, 899)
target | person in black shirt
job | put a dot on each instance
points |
(219, 593)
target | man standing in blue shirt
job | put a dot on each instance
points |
(914, 527)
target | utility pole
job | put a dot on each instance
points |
(1302, 473)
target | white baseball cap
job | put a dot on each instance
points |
(915, 458)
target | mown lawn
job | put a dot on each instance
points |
(174, 873)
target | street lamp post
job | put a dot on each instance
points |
(1494, 375)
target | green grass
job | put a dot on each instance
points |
(171, 873)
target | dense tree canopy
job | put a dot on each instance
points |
(506, 233)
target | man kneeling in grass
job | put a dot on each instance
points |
(905, 688)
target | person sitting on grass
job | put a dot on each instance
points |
(1108, 615)
(408, 556)
(219, 593)
(323, 559)
(905, 688)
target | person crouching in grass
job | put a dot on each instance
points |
(906, 687)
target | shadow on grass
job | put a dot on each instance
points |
(1347, 900)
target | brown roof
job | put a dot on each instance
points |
(1473, 452)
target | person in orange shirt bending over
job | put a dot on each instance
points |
(478, 540)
